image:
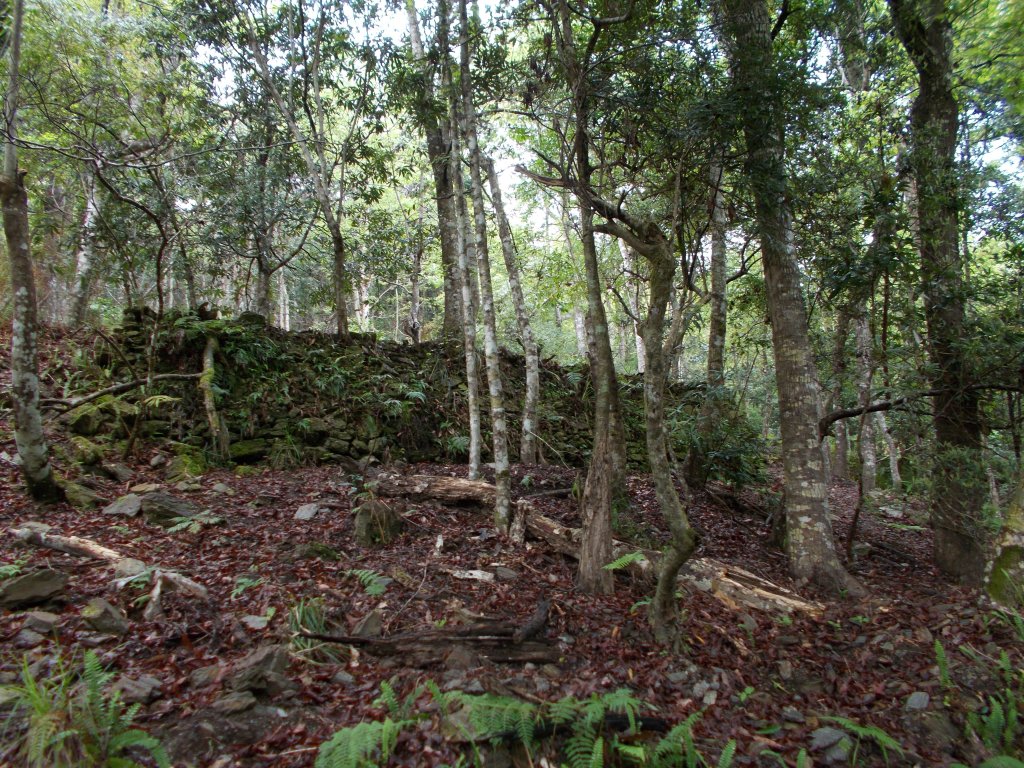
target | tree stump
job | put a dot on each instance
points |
(377, 524)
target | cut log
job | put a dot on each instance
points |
(732, 585)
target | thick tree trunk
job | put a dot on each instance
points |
(499, 431)
(925, 29)
(809, 539)
(1007, 571)
(528, 444)
(444, 192)
(28, 424)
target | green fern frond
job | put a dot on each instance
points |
(728, 754)
(625, 561)
(365, 745)
(374, 584)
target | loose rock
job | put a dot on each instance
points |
(32, 588)
(104, 617)
(128, 505)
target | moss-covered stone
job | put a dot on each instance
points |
(86, 452)
(250, 451)
(85, 420)
(188, 461)
(81, 497)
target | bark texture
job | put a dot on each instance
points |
(809, 541)
(28, 423)
(925, 30)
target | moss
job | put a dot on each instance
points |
(247, 470)
(1005, 584)
(86, 452)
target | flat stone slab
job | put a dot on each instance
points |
(307, 511)
(32, 588)
(128, 505)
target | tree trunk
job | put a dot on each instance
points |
(85, 258)
(528, 443)
(444, 193)
(925, 30)
(28, 423)
(499, 431)
(1007, 572)
(467, 303)
(841, 464)
(632, 281)
(866, 438)
(809, 541)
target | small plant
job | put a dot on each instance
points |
(883, 740)
(374, 584)
(311, 616)
(942, 661)
(194, 524)
(65, 722)
(285, 453)
(242, 583)
(10, 570)
(625, 561)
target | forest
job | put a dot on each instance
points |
(545, 383)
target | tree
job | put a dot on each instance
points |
(28, 430)
(757, 92)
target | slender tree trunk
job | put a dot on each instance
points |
(28, 423)
(841, 464)
(284, 313)
(893, 450)
(710, 412)
(438, 142)
(809, 541)
(467, 304)
(925, 29)
(528, 444)
(499, 430)
(866, 438)
(85, 257)
(632, 281)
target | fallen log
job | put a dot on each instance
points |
(495, 640)
(729, 583)
(38, 534)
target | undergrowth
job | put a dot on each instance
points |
(73, 718)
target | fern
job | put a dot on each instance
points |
(625, 561)
(884, 741)
(365, 745)
(942, 661)
(374, 584)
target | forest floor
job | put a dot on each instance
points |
(770, 681)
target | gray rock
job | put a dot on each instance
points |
(104, 617)
(341, 677)
(204, 676)
(119, 472)
(826, 737)
(128, 505)
(236, 701)
(80, 496)
(224, 488)
(917, 701)
(26, 638)
(142, 690)
(160, 508)
(263, 670)
(42, 622)
(32, 588)
(502, 573)
(158, 461)
(792, 715)
(371, 625)
(307, 511)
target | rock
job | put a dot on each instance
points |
(85, 420)
(42, 622)
(158, 461)
(86, 451)
(127, 567)
(249, 451)
(307, 511)
(505, 574)
(145, 488)
(32, 588)
(81, 497)
(140, 690)
(826, 737)
(341, 677)
(160, 508)
(263, 670)
(224, 488)
(792, 715)
(371, 625)
(376, 523)
(236, 701)
(255, 622)
(785, 669)
(188, 486)
(128, 505)
(118, 472)
(27, 638)
(104, 617)
(204, 676)
(461, 657)
(917, 701)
